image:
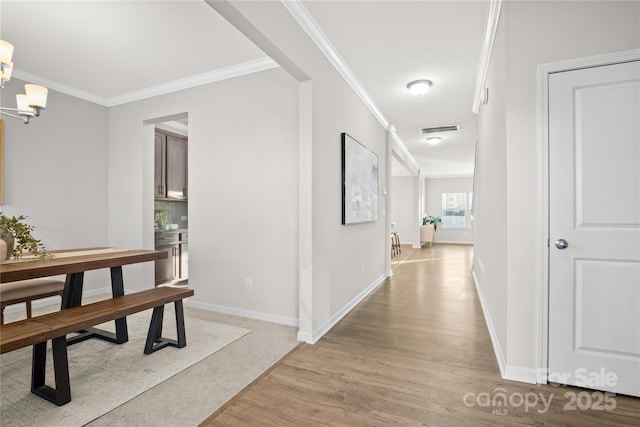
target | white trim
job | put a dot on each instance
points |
(487, 47)
(544, 70)
(186, 83)
(448, 177)
(289, 321)
(403, 151)
(518, 373)
(305, 207)
(305, 337)
(318, 333)
(197, 80)
(273, 318)
(302, 16)
(174, 126)
(309, 25)
(387, 201)
(59, 87)
(492, 330)
(543, 225)
(507, 372)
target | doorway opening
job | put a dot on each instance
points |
(171, 199)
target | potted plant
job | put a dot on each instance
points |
(432, 220)
(19, 238)
(161, 219)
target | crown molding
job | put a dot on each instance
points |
(465, 176)
(412, 165)
(487, 47)
(311, 27)
(186, 83)
(197, 80)
(174, 126)
(59, 87)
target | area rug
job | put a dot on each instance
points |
(103, 375)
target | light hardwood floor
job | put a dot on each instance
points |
(416, 352)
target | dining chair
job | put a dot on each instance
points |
(25, 291)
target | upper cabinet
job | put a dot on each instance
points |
(170, 180)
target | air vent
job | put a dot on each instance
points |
(438, 129)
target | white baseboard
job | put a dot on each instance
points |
(282, 320)
(508, 372)
(305, 337)
(492, 330)
(318, 333)
(521, 374)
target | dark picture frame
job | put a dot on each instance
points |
(359, 182)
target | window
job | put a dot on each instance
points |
(455, 210)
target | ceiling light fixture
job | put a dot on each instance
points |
(419, 87)
(29, 105)
(434, 140)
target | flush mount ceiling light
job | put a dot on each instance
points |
(419, 87)
(434, 140)
(29, 105)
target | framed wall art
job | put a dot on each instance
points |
(359, 182)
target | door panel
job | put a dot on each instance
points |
(594, 204)
(601, 290)
(604, 156)
(176, 168)
(159, 163)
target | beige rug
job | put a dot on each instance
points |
(103, 375)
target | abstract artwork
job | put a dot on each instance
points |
(359, 182)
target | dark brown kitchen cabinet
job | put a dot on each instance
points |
(173, 269)
(170, 160)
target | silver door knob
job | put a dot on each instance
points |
(562, 244)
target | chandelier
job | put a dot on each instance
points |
(32, 101)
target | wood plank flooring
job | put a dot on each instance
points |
(416, 352)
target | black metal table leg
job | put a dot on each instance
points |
(117, 290)
(73, 294)
(61, 394)
(155, 341)
(182, 336)
(154, 336)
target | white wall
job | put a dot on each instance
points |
(403, 207)
(346, 261)
(243, 176)
(490, 202)
(55, 173)
(242, 190)
(570, 29)
(434, 188)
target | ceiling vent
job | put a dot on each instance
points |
(438, 129)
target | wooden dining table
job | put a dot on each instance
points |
(74, 263)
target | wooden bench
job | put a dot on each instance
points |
(36, 331)
(25, 291)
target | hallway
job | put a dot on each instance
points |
(416, 352)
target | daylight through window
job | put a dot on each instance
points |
(455, 210)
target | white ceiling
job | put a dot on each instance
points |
(109, 49)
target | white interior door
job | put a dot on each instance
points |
(594, 205)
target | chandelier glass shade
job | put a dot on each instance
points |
(29, 104)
